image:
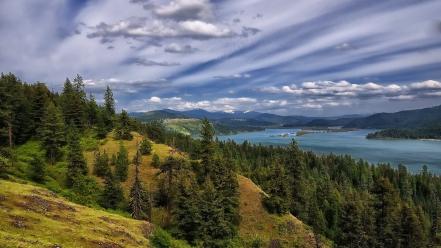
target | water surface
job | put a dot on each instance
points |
(412, 153)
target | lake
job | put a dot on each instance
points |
(412, 153)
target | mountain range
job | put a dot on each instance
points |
(402, 119)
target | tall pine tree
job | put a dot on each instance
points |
(51, 132)
(140, 202)
(76, 162)
(122, 163)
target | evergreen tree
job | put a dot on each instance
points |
(387, 219)
(295, 166)
(169, 168)
(123, 127)
(225, 182)
(145, 147)
(278, 190)
(412, 234)
(140, 202)
(92, 111)
(74, 102)
(39, 101)
(186, 212)
(156, 162)
(435, 229)
(38, 169)
(207, 147)
(101, 164)
(122, 163)
(76, 162)
(109, 102)
(51, 133)
(101, 126)
(112, 195)
(351, 226)
(214, 229)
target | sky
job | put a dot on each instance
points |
(302, 57)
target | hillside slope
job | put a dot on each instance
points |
(256, 222)
(35, 217)
(426, 117)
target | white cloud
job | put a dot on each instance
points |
(185, 10)
(154, 99)
(203, 29)
(429, 84)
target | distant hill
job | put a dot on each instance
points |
(417, 118)
(251, 120)
(158, 114)
(240, 120)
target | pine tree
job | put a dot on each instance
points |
(101, 164)
(295, 166)
(351, 226)
(109, 102)
(214, 230)
(76, 162)
(92, 111)
(123, 127)
(435, 229)
(156, 162)
(112, 195)
(51, 133)
(101, 126)
(207, 147)
(122, 164)
(387, 219)
(74, 103)
(40, 99)
(38, 169)
(412, 231)
(169, 168)
(225, 182)
(186, 212)
(145, 147)
(140, 201)
(279, 199)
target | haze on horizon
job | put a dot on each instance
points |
(308, 57)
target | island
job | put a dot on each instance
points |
(426, 133)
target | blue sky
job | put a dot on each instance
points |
(309, 57)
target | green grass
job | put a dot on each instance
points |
(35, 217)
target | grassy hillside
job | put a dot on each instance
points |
(35, 217)
(256, 222)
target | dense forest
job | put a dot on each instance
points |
(401, 133)
(348, 201)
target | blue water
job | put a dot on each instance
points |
(412, 153)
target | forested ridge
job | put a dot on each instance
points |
(403, 133)
(350, 202)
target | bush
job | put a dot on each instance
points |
(162, 239)
(38, 170)
(85, 190)
(156, 162)
(275, 205)
(145, 147)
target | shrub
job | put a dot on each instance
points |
(156, 162)
(162, 239)
(145, 147)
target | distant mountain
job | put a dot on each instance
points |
(158, 114)
(426, 117)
